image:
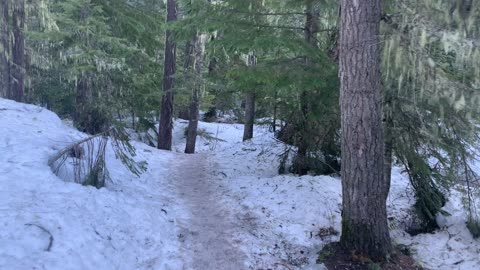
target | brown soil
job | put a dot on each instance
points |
(334, 257)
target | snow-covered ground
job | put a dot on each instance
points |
(265, 220)
(50, 224)
(288, 219)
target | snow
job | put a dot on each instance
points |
(118, 227)
(224, 208)
(288, 219)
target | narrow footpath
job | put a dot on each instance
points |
(207, 236)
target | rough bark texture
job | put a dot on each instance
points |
(365, 190)
(166, 113)
(195, 102)
(17, 87)
(4, 50)
(249, 106)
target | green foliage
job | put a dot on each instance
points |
(431, 68)
(431, 77)
(474, 227)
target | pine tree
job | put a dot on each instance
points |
(199, 54)
(364, 216)
(166, 115)
(430, 68)
(12, 60)
(5, 49)
(250, 97)
(17, 87)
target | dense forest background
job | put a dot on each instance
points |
(140, 64)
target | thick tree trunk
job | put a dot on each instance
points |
(166, 114)
(199, 50)
(365, 190)
(17, 89)
(249, 105)
(5, 79)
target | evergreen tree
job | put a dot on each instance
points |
(166, 115)
(430, 66)
(12, 60)
(364, 213)
(199, 54)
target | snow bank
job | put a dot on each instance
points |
(51, 224)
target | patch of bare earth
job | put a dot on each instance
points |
(334, 257)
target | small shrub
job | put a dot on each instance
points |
(474, 227)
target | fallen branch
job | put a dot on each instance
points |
(50, 243)
(70, 147)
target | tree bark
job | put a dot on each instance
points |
(365, 190)
(166, 113)
(249, 116)
(17, 89)
(199, 51)
(249, 106)
(184, 113)
(5, 50)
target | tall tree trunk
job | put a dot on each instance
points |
(166, 113)
(18, 51)
(249, 116)
(184, 113)
(301, 165)
(365, 190)
(5, 79)
(82, 102)
(250, 105)
(199, 51)
(275, 108)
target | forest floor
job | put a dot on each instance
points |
(223, 208)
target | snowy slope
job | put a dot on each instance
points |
(119, 227)
(288, 219)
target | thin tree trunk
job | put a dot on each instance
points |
(389, 140)
(18, 52)
(249, 116)
(184, 113)
(301, 165)
(275, 108)
(166, 114)
(199, 51)
(4, 54)
(365, 190)
(82, 102)
(249, 106)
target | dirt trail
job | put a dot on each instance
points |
(208, 243)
